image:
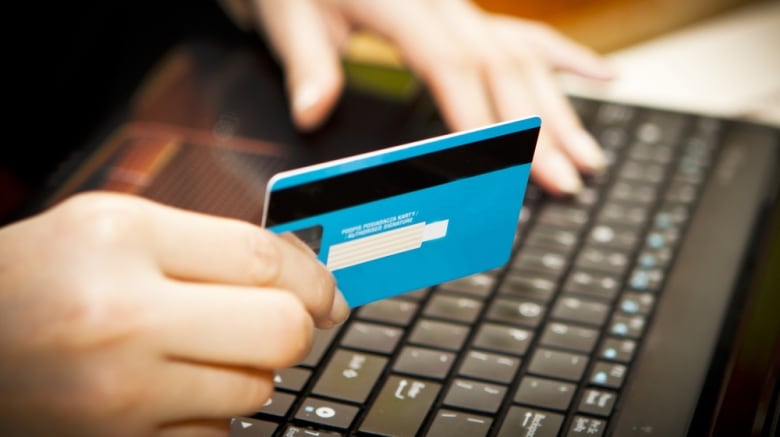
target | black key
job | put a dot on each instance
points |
(503, 338)
(516, 312)
(371, 337)
(393, 311)
(630, 215)
(416, 295)
(527, 422)
(549, 263)
(613, 236)
(533, 194)
(400, 407)
(628, 327)
(424, 362)
(600, 285)
(597, 402)
(566, 217)
(662, 239)
(660, 127)
(642, 172)
(297, 431)
(525, 217)
(246, 427)
(475, 395)
(555, 239)
(320, 343)
(635, 192)
(291, 378)
(682, 191)
(439, 334)
(585, 199)
(663, 221)
(479, 285)
(675, 213)
(546, 393)
(450, 423)
(489, 366)
(690, 170)
(583, 107)
(615, 114)
(646, 279)
(609, 375)
(558, 364)
(455, 308)
(278, 404)
(350, 375)
(582, 426)
(612, 139)
(322, 412)
(651, 153)
(602, 258)
(611, 157)
(636, 303)
(527, 285)
(654, 258)
(575, 338)
(572, 308)
(620, 350)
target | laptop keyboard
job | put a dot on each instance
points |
(540, 347)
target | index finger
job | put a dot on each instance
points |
(196, 247)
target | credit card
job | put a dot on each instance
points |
(411, 216)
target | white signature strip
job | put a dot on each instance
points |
(389, 247)
(375, 246)
(388, 243)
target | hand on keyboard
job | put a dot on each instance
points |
(481, 68)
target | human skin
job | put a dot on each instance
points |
(121, 316)
(481, 68)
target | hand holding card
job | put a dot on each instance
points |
(410, 216)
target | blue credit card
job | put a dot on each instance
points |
(411, 216)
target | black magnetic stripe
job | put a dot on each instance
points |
(400, 177)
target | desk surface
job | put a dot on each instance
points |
(728, 65)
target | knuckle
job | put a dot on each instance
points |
(108, 391)
(97, 310)
(455, 60)
(443, 58)
(264, 265)
(99, 218)
(297, 334)
(255, 392)
(95, 317)
(504, 65)
(324, 289)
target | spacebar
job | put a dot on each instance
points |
(401, 407)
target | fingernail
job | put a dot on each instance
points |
(568, 179)
(306, 96)
(340, 310)
(589, 151)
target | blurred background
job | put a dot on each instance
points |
(715, 56)
(608, 25)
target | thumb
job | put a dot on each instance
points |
(297, 32)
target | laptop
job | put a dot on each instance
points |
(645, 306)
